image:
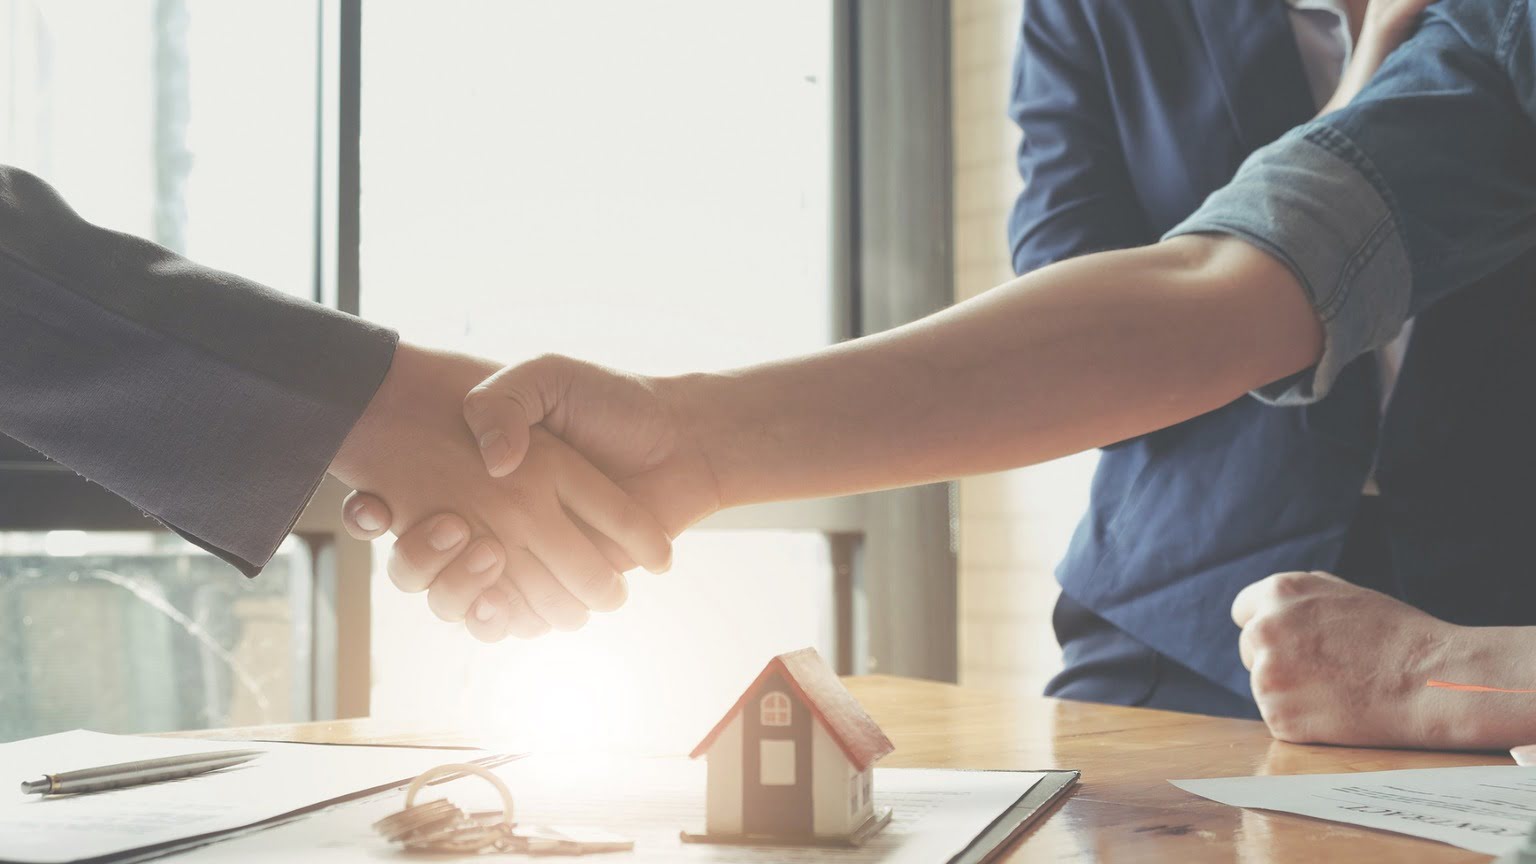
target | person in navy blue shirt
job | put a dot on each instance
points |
(1132, 113)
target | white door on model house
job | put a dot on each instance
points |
(793, 757)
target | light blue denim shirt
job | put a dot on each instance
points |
(1423, 185)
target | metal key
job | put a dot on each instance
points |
(570, 840)
(470, 833)
(442, 827)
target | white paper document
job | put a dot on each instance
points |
(288, 777)
(937, 814)
(1487, 809)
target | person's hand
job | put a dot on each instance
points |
(630, 426)
(1335, 663)
(626, 425)
(1387, 24)
(536, 564)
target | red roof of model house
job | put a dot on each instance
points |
(845, 719)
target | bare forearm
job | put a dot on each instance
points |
(1077, 355)
(1495, 657)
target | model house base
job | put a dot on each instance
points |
(872, 826)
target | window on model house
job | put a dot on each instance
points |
(855, 793)
(774, 710)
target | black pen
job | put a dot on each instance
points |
(137, 773)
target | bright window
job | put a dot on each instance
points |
(141, 632)
(776, 763)
(172, 121)
(774, 710)
(645, 185)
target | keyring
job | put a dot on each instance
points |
(463, 768)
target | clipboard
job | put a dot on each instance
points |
(1032, 807)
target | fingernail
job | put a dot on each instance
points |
(365, 519)
(485, 610)
(445, 535)
(481, 560)
(494, 448)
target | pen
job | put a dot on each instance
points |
(137, 773)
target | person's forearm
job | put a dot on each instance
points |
(1495, 657)
(1076, 355)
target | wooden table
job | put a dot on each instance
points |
(1124, 810)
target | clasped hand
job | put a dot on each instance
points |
(516, 513)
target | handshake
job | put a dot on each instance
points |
(520, 496)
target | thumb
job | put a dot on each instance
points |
(365, 516)
(500, 411)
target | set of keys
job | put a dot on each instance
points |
(442, 827)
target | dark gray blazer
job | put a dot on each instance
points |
(212, 403)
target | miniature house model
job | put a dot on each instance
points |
(793, 761)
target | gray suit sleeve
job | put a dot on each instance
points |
(213, 404)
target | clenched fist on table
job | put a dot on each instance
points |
(1334, 663)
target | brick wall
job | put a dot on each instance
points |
(1015, 525)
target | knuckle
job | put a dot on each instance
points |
(445, 606)
(477, 401)
(1266, 631)
(512, 600)
(607, 590)
(1283, 724)
(522, 506)
(1270, 675)
(575, 621)
(453, 593)
(1280, 715)
(1314, 602)
(1248, 649)
(403, 569)
(633, 519)
(560, 610)
(486, 632)
(550, 600)
(598, 584)
(482, 564)
(547, 361)
(526, 625)
(1292, 584)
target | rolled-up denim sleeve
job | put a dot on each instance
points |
(1306, 204)
(1423, 185)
